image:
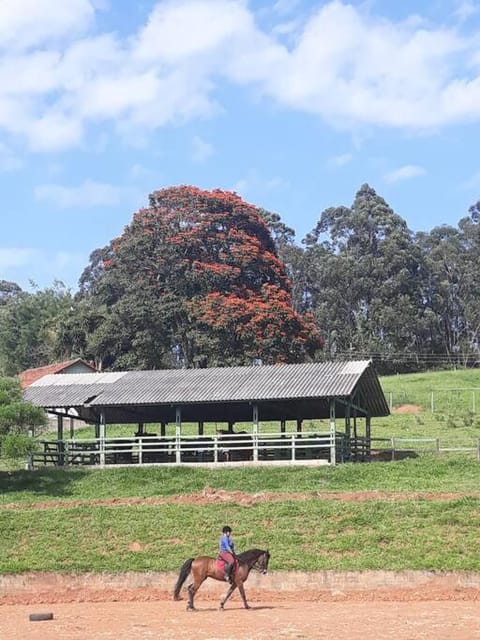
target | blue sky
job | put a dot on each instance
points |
(292, 103)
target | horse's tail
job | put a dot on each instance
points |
(184, 571)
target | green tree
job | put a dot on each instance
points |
(29, 328)
(17, 418)
(363, 270)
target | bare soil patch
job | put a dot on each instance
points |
(212, 496)
(407, 408)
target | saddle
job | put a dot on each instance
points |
(221, 565)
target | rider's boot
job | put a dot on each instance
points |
(228, 572)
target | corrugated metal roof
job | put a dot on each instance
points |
(213, 385)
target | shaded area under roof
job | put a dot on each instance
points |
(294, 391)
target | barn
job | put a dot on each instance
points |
(311, 413)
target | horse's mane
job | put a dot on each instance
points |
(250, 555)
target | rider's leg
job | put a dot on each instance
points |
(228, 572)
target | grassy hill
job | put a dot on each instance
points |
(440, 404)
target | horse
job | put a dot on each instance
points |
(204, 567)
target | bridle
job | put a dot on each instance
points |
(261, 563)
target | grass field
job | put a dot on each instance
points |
(308, 534)
(302, 535)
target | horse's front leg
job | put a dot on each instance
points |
(229, 593)
(242, 593)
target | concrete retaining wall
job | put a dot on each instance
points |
(332, 581)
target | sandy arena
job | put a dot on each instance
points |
(434, 609)
(284, 619)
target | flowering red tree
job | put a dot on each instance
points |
(196, 277)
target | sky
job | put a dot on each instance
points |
(293, 104)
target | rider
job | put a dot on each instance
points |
(227, 552)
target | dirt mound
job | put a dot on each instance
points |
(407, 408)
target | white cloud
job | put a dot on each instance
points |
(87, 195)
(12, 258)
(139, 171)
(25, 23)
(466, 9)
(201, 150)
(27, 265)
(473, 182)
(253, 183)
(345, 64)
(284, 7)
(404, 173)
(340, 160)
(185, 30)
(8, 160)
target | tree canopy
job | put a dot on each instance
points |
(195, 280)
(201, 278)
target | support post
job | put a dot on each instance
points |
(72, 428)
(368, 435)
(333, 452)
(163, 429)
(283, 428)
(61, 448)
(178, 434)
(201, 429)
(348, 429)
(299, 427)
(255, 432)
(102, 438)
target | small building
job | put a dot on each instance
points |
(342, 396)
(29, 376)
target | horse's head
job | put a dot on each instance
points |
(262, 562)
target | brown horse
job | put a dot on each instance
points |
(205, 567)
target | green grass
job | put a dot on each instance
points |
(307, 535)
(428, 473)
(311, 534)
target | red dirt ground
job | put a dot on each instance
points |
(210, 495)
(267, 620)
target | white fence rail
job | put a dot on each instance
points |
(398, 447)
(239, 447)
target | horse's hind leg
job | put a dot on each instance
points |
(191, 594)
(192, 590)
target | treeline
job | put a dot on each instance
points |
(204, 279)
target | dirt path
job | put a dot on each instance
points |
(286, 620)
(211, 496)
